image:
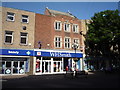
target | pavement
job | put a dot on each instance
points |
(93, 80)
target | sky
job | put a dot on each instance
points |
(82, 10)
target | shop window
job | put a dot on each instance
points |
(10, 16)
(8, 68)
(23, 38)
(25, 19)
(9, 37)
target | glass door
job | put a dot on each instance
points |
(8, 69)
(57, 66)
(46, 66)
(22, 67)
(15, 67)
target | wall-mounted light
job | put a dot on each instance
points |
(24, 27)
(39, 44)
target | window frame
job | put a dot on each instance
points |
(8, 15)
(58, 24)
(58, 42)
(24, 37)
(76, 29)
(67, 43)
(24, 18)
(66, 28)
(8, 36)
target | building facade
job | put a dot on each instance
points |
(17, 42)
(40, 44)
(57, 42)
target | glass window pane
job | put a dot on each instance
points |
(23, 34)
(8, 39)
(8, 64)
(8, 32)
(23, 40)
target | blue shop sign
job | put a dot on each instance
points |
(58, 54)
(17, 52)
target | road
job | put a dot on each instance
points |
(94, 80)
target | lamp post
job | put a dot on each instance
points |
(75, 46)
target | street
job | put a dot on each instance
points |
(93, 80)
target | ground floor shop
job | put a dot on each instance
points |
(53, 61)
(38, 62)
(53, 65)
(14, 65)
(15, 61)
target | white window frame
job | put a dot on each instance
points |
(78, 42)
(67, 27)
(24, 37)
(9, 36)
(66, 42)
(58, 28)
(76, 28)
(58, 42)
(8, 15)
(24, 18)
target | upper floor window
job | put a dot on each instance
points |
(67, 42)
(23, 38)
(10, 16)
(75, 28)
(9, 37)
(58, 42)
(25, 19)
(58, 25)
(67, 27)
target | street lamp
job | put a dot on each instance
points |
(75, 46)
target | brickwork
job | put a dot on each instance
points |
(45, 31)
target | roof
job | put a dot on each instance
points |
(54, 12)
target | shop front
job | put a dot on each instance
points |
(55, 62)
(38, 61)
(14, 61)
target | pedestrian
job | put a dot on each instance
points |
(66, 69)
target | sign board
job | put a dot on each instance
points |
(19, 52)
(58, 54)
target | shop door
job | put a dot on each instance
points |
(8, 69)
(57, 66)
(46, 66)
(18, 67)
(15, 67)
(22, 67)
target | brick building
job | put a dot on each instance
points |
(56, 34)
(33, 43)
(57, 30)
